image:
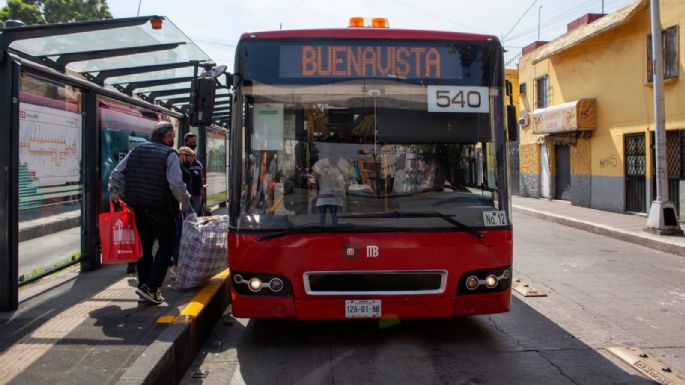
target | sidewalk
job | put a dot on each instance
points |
(86, 328)
(626, 227)
(92, 330)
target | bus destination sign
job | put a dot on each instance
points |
(369, 61)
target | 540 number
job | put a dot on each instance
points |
(458, 99)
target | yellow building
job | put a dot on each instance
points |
(512, 75)
(587, 111)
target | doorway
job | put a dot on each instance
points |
(545, 180)
(562, 178)
(635, 172)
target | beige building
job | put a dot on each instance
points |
(587, 111)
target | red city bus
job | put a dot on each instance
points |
(369, 175)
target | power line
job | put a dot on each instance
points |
(563, 18)
(319, 9)
(560, 16)
(438, 16)
(520, 18)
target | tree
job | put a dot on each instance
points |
(27, 11)
(61, 11)
(55, 11)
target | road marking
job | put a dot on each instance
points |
(526, 290)
(649, 366)
(199, 302)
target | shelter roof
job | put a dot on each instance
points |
(143, 57)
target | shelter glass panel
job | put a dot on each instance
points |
(217, 167)
(50, 174)
(122, 127)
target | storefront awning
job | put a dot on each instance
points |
(578, 115)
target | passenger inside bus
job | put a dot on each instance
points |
(323, 160)
(330, 176)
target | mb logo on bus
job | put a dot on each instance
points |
(371, 251)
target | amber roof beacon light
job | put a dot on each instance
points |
(356, 22)
(156, 22)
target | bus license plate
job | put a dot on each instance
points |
(367, 308)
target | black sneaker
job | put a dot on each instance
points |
(151, 296)
(158, 296)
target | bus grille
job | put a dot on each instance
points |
(375, 282)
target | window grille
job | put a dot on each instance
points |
(669, 46)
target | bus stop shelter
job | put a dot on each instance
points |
(74, 99)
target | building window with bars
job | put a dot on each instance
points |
(541, 91)
(669, 47)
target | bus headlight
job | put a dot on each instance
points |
(490, 281)
(485, 281)
(255, 284)
(276, 285)
(472, 282)
(261, 284)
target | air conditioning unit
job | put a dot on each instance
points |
(523, 118)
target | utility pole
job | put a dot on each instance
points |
(662, 216)
(602, 7)
(539, 12)
(139, 1)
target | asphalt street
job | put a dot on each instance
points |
(47, 250)
(602, 293)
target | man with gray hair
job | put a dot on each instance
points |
(149, 180)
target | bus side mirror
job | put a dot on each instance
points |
(510, 88)
(512, 123)
(202, 101)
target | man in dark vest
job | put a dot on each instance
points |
(149, 180)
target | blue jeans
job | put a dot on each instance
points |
(177, 247)
(153, 225)
(334, 214)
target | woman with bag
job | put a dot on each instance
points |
(185, 156)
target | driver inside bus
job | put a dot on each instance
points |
(330, 174)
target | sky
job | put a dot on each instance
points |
(216, 25)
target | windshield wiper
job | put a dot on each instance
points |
(420, 214)
(310, 228)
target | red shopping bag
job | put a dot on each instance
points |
(119, 239)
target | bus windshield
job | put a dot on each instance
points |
(340, 148)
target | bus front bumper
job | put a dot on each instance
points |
(392, 307)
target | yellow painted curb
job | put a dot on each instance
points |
(166, 319)
(198, 303)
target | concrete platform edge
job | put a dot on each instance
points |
(166, 360)
(604, 230)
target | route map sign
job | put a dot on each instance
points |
(50, 144)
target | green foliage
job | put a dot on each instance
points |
(61, 11)
(25, 10)
(54, 11)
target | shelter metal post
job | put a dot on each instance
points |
(9, 126)
(202, 147)
(91, 182)
(184, 129)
